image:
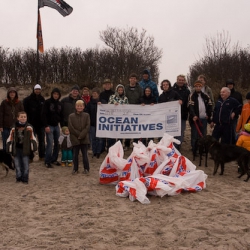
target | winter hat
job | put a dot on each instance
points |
(64, 128)
(37, 86)
(230, 81)
(248, 96)
(197, 83)
(145, 72)
(75, 87)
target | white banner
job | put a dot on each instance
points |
(136, 121)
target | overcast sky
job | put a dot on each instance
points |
(178, 26)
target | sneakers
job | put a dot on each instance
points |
(63, 164)
(48, 165)
(85, 171)
(56, 163)
(70, 164)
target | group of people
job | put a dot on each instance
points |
(76, 115)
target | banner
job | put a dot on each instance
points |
(137, 121)
(39, 34)
(62, 7)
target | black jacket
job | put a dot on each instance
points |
(169, 96)
(194, 106)
(184, 94)
(33, 105)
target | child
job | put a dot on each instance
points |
(244, 138)
(79, 124)
(21, 143)
(66, 147)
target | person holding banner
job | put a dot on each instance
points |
(133, 92)
(118, 98)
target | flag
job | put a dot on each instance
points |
(39, 34)
(63, 8)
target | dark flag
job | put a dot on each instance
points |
(59, 5)
(39, 34)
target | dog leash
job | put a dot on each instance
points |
(197, 127)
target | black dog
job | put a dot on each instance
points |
(244, 162)
(6, 161)
(203, 144)
(223, 153)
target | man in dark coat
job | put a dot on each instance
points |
(33, 105)
(52, 115)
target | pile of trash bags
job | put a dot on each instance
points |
(158, 169)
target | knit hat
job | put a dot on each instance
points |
(145, 72)
(230, 81)
(75, 87)
(248, 96)
(197, 84)
(64, 129)
(37, 86)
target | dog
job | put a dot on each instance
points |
(6, 161)
(203, 144)
(223, 153)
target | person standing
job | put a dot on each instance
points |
(85, 95)
(200, 112)
(79, 124)
(104, 98)
(91, 109)
(181, 88)
(133, 92)
(8, 113)
(147, 82)
(20, 143)
(206, 89)
(226, 108)
(52, 115)
(68, 104)
(33, 105)
(238, 96)
(245, 115)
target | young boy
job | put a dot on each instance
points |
(79, 124)
(66, 147)
(21, 143)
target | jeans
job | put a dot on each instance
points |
(40, 133)
(22, 165)
(5, 135)
(194, 133)
(67, 155)
(84, 150)
(97, 143)
(51, 152)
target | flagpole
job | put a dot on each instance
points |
(37, 48)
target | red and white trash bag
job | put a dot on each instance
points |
(112, 165)
(158, 170)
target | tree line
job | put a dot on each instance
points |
(125, 51)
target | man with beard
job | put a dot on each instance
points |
(200, 111)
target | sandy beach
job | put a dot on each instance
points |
(58, 210)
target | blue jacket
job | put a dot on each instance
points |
(224, 109)
(145, 83)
